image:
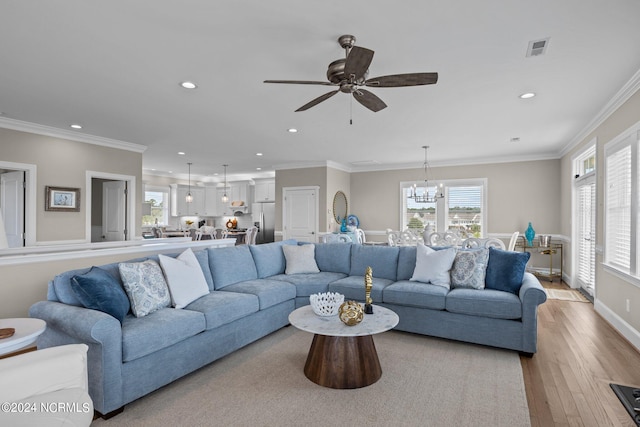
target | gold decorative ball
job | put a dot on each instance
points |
(351, 313)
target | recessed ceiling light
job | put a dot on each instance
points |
(258, 154)
(527, 95)
(292, 130)
(258, 169)
(170, 171)
(75, 126)
(180, 153)
(188, 85)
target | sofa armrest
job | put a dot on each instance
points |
(68, 324)
(43, 371)
(532, 294)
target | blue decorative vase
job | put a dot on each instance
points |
(529, 234)
(343, 226)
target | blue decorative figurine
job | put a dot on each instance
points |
(343, 226)
(529, 234)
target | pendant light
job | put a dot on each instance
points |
(225, 198)
(189, 197)
(425, 197)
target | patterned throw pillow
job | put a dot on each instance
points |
(469, 269)
(145, 286)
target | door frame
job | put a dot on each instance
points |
(30, 175)
(130, 201)
(285, 191)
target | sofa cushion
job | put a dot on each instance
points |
(184, 277)
(269, 292)
(484, 303)
(469, 268)
(505, 270)
(383, 260)
(415, 294)
(406, 262)
(433, 266)
(352, 287)
(300, 259)
(145, 335)
(311, 283)
(231, 265)
(221, 307)
(335, 257)
(203, 259)
(145, 286)
(99, 290)
(269, 258)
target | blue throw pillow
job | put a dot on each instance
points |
(99, 290)
(505, 270)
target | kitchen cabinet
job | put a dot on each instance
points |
(179, 205)
(211, 201)
(265, 191)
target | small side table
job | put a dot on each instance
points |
(27, 331)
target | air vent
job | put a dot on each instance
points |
(537, 47)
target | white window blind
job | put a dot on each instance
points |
(464, 205)
(586, 233)
(618, 208)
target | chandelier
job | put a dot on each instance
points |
(426, 196)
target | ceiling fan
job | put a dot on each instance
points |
(350, 74)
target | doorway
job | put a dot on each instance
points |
(18, 203)
(110, 201)
(584, 221)
(300, 213)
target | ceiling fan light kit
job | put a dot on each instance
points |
(351, 73)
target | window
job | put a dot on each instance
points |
(621, 203)
(461, 210)
(155, 209)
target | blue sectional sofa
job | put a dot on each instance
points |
(250, 296)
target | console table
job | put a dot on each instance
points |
(550, 250)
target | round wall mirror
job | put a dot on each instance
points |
(340, 206)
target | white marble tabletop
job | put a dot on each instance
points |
(27, 331)
(381, 320)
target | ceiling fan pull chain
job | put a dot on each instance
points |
(351, 110)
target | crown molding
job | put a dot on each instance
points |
(622, 96)
(320, 164)
(29, 127)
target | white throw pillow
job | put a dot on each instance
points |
(433, 266)
(300, 259)
(185, 278)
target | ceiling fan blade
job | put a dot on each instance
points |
(300, 82)
(369, 100)
(317, 101)
(357, 62)
(399, 80)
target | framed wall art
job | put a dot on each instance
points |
(62, 199)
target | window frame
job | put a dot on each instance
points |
(442, 204)
(166, 205)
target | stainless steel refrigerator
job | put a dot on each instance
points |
(264, 217)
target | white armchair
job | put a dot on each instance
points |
(53, 382)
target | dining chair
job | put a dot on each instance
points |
(443, 239)
(393, 237)
(360, 237)
(250, 237)
(336, 238)
(474, 242)
(512, 242)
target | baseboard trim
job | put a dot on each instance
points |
(618, 323)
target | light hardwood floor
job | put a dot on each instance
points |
(579, 354)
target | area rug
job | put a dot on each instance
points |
(566, 295)
(425, 382)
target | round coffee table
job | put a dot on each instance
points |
(343, 356)
(27, 331)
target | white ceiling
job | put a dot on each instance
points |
(115, 68)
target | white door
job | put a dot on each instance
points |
(585, 226)
(300, 213)
(114, 210)
(12, 205)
